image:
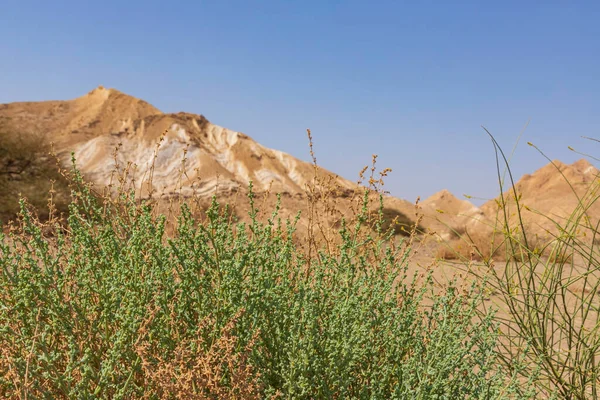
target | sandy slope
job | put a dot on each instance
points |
(453, 212)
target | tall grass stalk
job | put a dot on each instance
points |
(549, 291)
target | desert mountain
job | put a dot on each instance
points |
(445, 202)
(116, 137)
(554, 191)
(151, 143)
(547, 199)
(99, 112)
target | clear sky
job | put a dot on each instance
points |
(410, 81)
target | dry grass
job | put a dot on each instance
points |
(478, 246)
(199, 370)
(489, 244)
(548, 290)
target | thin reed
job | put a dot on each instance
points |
(548, 292)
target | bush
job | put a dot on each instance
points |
(111, 307)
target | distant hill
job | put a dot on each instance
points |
(547, 199)
(94, 125)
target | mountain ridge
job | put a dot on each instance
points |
(116, 137)
(97, 123)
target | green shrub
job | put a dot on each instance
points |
(111, 307)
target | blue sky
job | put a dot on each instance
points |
(410, 81)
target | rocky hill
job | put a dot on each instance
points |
(153, 144)
(119, 140)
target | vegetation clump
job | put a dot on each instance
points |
(113, 307)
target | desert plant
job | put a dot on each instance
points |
(550, 304)
(112, 307)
